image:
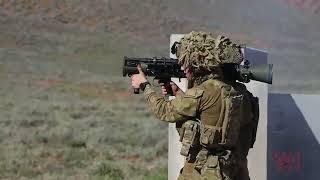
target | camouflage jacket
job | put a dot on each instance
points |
(203, 100)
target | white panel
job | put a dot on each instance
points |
(309, 106)
(175, 160)
(257, 158)
(293, 137)
(258, 154)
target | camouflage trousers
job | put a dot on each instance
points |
(215, 171)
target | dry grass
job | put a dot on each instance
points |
(83, 130)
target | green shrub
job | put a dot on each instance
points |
(107, 170)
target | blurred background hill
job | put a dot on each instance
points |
(66, 112)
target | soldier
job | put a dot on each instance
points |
(216, 117)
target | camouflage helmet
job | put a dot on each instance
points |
(203, 52)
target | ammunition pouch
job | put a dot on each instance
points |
(189, 137)
(212, 163)
(212, 159)
(201, 159)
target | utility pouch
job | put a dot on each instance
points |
(201, 159)
(210, 135)
(189, 136)
(212, 168)
(212, 161)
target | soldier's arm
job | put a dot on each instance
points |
(183, 107)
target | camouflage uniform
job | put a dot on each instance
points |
(204, 102)
(216, 119)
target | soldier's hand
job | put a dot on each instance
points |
(164, 90)
(166, 87)
(137, 79)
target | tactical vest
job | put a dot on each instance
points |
(235, 129)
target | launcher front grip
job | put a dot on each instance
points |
(131, 70)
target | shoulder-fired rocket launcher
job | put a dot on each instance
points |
(163, 68)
